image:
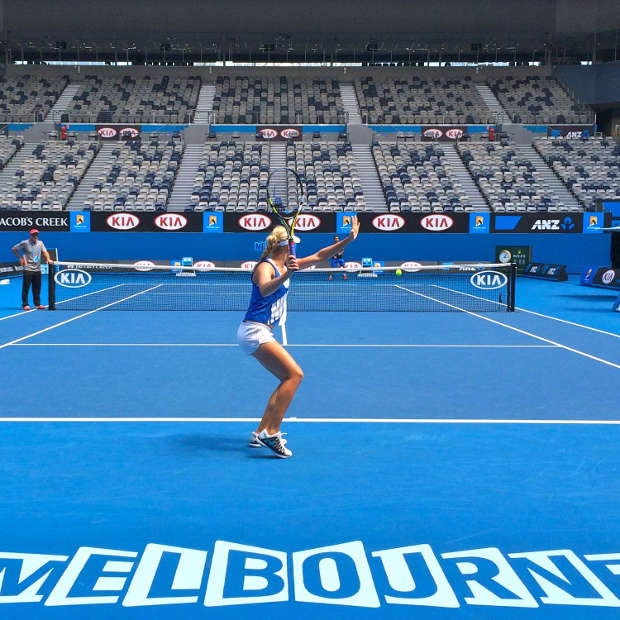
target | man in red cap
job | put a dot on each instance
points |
(30, 257)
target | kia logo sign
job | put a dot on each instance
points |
(488, 280)
(454, 134)
(289, 134)
(436, 222)
(72, 278)
(269, 134)
(433, 133)
(411, 266)
(608, 276)
(352, 265)
(107, 132)
(144, 265)
(248, 265)
(307, 222)
(171, 221)
(255, 221)
(204, 265)
(129, 132)
(122, 221)
(388, 222)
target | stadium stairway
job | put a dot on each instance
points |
(181, 195)
(17, 162)
(277, 159)
(349, 101)
(369, 178)
(493, 104)
(62, 103)
(204, 106)
(550, 180)
(96, 169)
(462, 175)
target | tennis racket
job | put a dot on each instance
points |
(286, 197)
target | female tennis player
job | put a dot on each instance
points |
(270, 284)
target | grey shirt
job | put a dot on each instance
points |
(32, 253)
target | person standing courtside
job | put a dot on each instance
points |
(30, 257)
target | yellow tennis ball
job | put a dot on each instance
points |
(399, 272)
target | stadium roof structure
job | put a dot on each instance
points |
(201, 30)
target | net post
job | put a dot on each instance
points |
(51, 287)
(513, 284)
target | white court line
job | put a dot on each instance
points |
(75, 318)
(322, 420)
(546, 316)
(516, 329)
(10, 316)
(208, 344)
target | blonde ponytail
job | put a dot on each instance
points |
(277, 235)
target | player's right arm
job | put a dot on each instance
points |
(20, 258)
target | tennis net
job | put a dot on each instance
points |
(456, 287)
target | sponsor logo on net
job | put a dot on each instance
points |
(488, 279)
(411, 266)
(171, 221)
(609, 276)
(352, 265)
(346, 575)
(203, 265)
(388, 222)
(437, 222)
(144, 265)
(122, 221)
(107, 132)
(306, 222)
(255, 221)
(72, 278)
(248, 265)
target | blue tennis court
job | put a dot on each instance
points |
(446, 464)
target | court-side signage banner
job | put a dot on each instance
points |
(118, 132)
(359, 576)
(275, 133)
(570, 131)
(43, 220)
(443, 133)
(605, 276)
(10, 269)
(539, 223)
(146, 222)
(263, 222)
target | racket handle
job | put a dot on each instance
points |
(291, 248)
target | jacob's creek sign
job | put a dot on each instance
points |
(345, 575)
(339, 223)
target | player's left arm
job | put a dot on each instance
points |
(45, 253)
(330, 250)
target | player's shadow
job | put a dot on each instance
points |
(199, 444)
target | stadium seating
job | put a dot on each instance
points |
(28, 99)
(46, 177)
(135, 100)
(536, 99)
(329, 173)
(421, 101)
(139, 176)
(590, 168)
(507, 181)
(280, 100)
(232, 177)
(9, 145)
(418, 178)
